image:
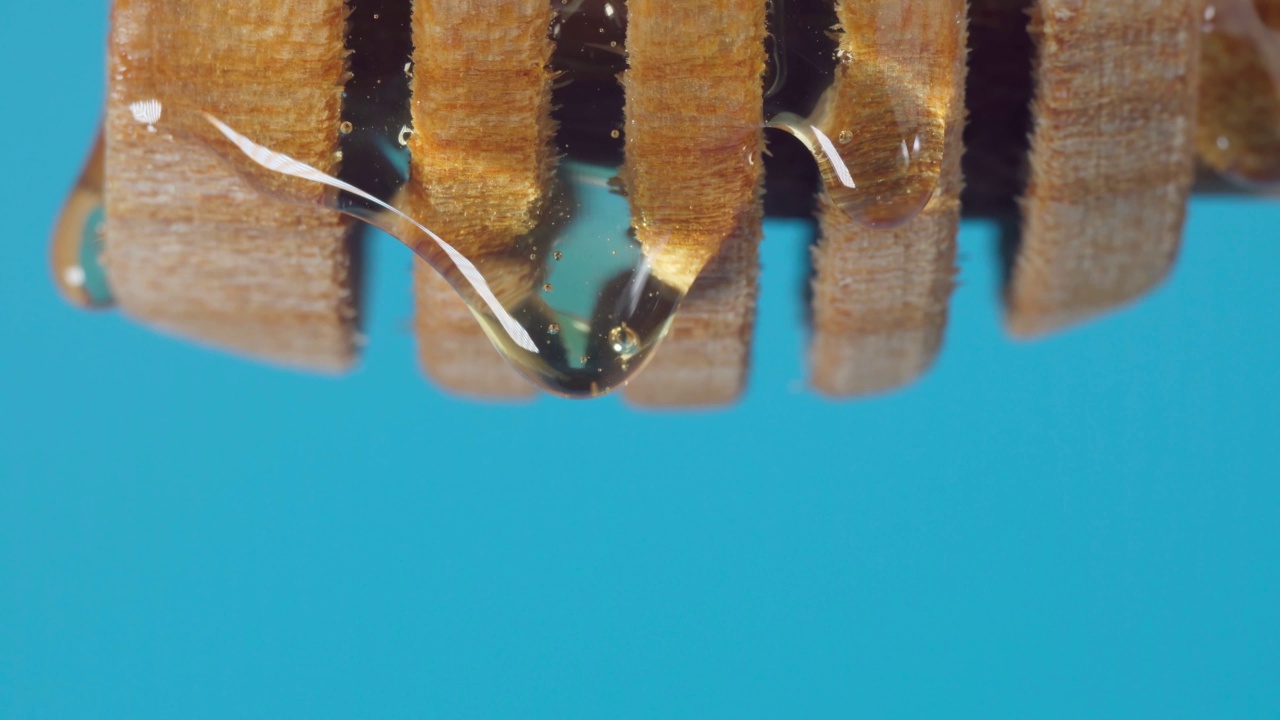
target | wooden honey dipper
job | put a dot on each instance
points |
(1083, 120)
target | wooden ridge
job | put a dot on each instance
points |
(190, 247)
(1112, 156)
(694, 119)
(482, 165)
(880, 296)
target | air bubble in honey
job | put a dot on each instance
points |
(624, 341)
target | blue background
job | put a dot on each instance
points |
(1080, 527)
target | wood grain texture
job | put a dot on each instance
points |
(482, 164)
(190, 247)
(880, 296)
(1112, 156)
(693, 124)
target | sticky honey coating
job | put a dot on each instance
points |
(1238, 133)
(878, 132)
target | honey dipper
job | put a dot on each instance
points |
(1078, 123)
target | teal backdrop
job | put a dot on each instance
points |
(1080, 527)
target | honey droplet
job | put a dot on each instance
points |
(77, 239)
(611, 299)
(1238, 133)
(345, 127)
(893, 82)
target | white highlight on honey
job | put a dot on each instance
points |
(837, 162)
(74, 276)
(147, 112)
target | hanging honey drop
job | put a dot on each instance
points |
(613, 307)
(77, 239)
(1238, 133)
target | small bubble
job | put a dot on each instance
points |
(533, 256)
(376, 16)
(613, 43)
(615, 134)
(406, 132)
(553, 329)
(624, 341)
(547, 287)
(345, 128)
(582, 360)
(845, 137)
(557, 254)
